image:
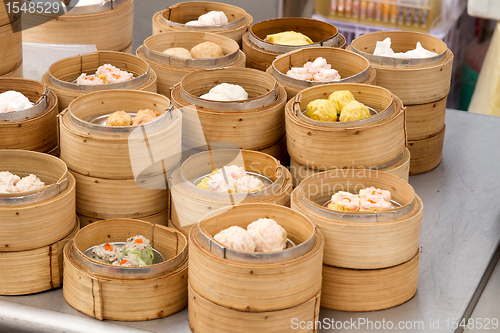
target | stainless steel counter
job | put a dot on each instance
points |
(459, 236)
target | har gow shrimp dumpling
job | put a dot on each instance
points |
(207, 50)
(178, 52)
(267, 235)
(236, 238)
(119, 118)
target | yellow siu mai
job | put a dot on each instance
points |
(341, 98)
(354, 111)
(289, 38)
(321, 110)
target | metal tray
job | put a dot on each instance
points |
(158, 258)
(37, 109)
(47, 193)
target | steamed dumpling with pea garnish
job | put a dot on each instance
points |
(207, 50)
(321, 110)
(341, 98)
(267, 235)
(354, 111)
(236, 238)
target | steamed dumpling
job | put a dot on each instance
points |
(341, 98)
(178, 52)
(119, 118)
(267, 235)
(236, 238)
(321, 110)
(145, 116)
(290, 38)
(226, 92)
(354, 111)
(207, 50)
(344, 202)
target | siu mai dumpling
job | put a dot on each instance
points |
(236, 238)
(374, 204)
(290, 38)
(341, 98)
(321, 110)
(373, 192)
(144, 116)
(267, 235)
(344, 202)
(354, 111)
(119, 118)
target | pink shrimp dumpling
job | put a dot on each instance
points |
(344, 202)
(89, 80)
(372, 192)
(29, 183)
(236, 238)
(374, 204)
(267, 235)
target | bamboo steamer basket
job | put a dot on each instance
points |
(128, 49)
(16, 73)
(160, 218)
(96, 152)
(370, 145)
(111, 297)
(261, 54)
(358, 240)
(261, 286)
(36, 270)
(20, 228)
(400, 169)
(254, 124)
(114, 198)
(174, 17)
(113, 33)
(67, 70)
(189, 205)
(11, 52)
(38, 133)
(415, 82)
(426, 154)
(369, 289)
(352, 67)
(205, 316)
(170, 71)
(424, 121)
(6, 16)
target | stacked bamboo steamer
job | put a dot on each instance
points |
(371, 258)
(190, 203)
(377, 142)
(261, 54)
(78, 26)
(352, 68)
(36, 224)
(170, 70)
(423, 86)
(253, 124)
(109, 292)
(231, 291)
(175, 17)
(34, 128)
(121, 172)
(62, 75)
(11, 52)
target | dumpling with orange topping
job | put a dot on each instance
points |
(106, 253)
(344, 202)
(373, 192)
(141, 247)
(374, 204)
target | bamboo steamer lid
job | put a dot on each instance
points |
(262, 286)
(174, 17)
(38, 133)
(253, 124)
(8, 16)
(160, 218)
(63, 72)
(11, 52)
(115, 298)
(361, 290)
(352, 67)
(205, 316)
(260, 53)
(135, 152)
(426, 154)
(36, 270)
(171, 70)
(401, 169)
(369, 145)
(55, 211)
(424, 121)
(190, 203)
(361, 240)
(415, 81)
(113, 33)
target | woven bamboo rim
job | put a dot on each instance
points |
(20, 227)
(38, 133)
(261, 59)
(429, 82)
(11, 52)
(256, 287)
(135, 155)
(113, 33)
(400, 169)
(426, 154)
(205, 316)
(16, 73)
(69, 69)
(112, 198)
(171, 74)
(188, 207)
(33, 271)
(367, 146)
(249, 129)
(173, 18)
(160, 219)
(425, 120)
(7, 17)
(361, 245)
(116, 299)
(351, 67)
(369, 290)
